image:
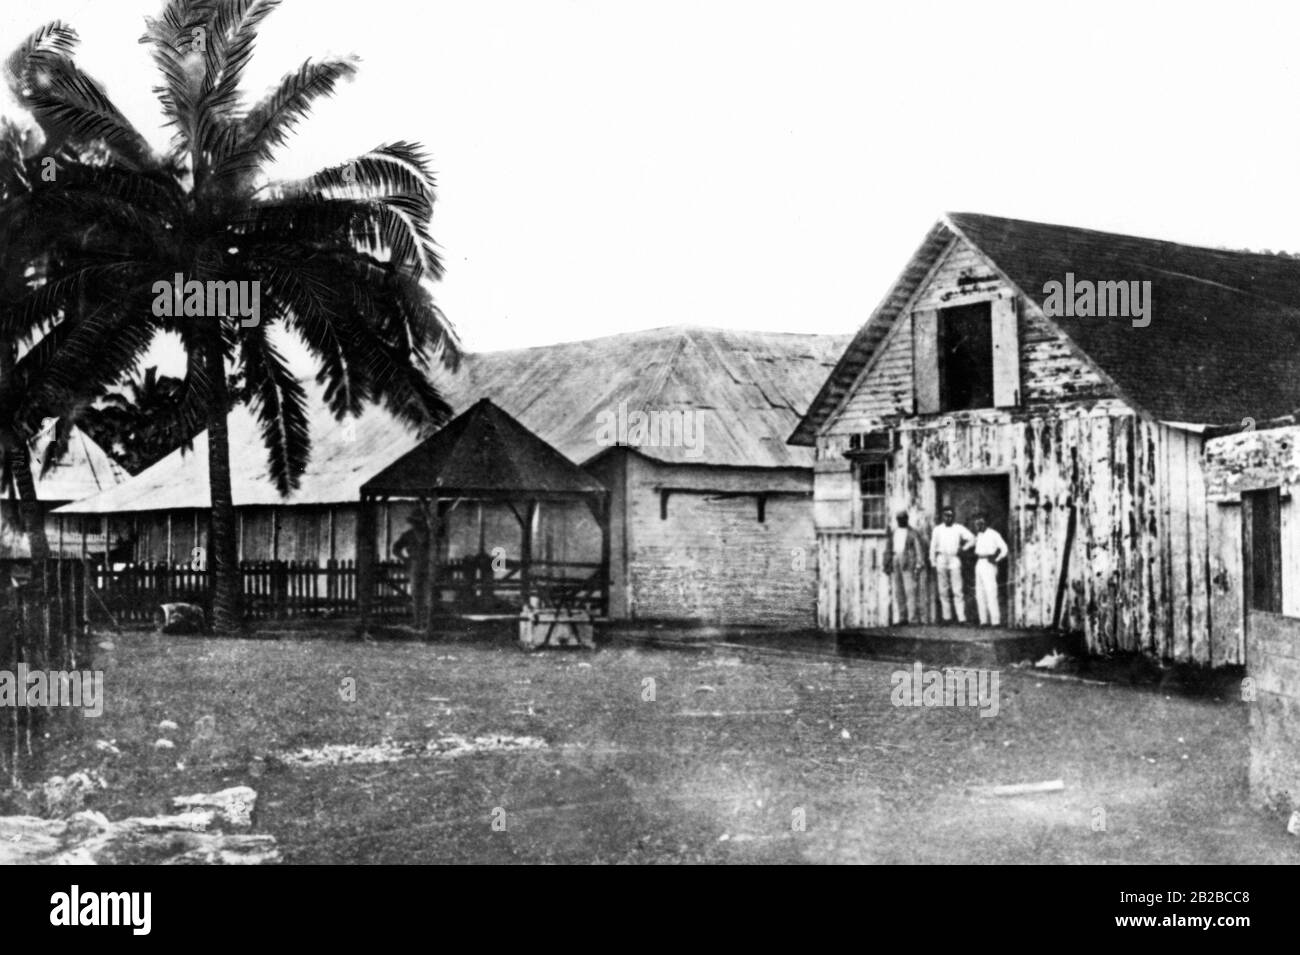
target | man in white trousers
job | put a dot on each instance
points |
(946, 544)
(990, 550)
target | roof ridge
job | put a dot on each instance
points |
(1240, 253)
(663, 330)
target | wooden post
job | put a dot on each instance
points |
(388, 529)
(526, 552)
(280, 588)
(365, 559)
(606, 583)
(431, 581)
(171, 559)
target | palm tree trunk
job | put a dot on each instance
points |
(223, 560)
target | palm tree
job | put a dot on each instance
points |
(38, 377)
(342, 259)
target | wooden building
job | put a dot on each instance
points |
(84, 469)
(711, 509)
(1081, 436)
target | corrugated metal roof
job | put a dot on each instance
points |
(746, 391)
(84, 470)
(483, 449)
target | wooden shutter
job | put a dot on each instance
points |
(833, 496)
(1006, 354)
(925, 360)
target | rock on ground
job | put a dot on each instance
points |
(184, 838)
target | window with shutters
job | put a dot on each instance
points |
(967, 357)
(871, 495)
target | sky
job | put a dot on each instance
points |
(617, 165)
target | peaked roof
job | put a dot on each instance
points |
(484, 449)
(748, 390)
(1223, 342)
(85, 468)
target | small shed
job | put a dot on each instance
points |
(480, 466)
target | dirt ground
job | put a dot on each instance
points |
(483, 753)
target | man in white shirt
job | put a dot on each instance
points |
(990, 550)
(946, 544)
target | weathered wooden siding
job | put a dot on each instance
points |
(1139, 574)
(1151, 566)
(1050, 369)
(711, 559)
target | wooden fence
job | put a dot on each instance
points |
(273, 590)
(42, 626)
(283, 590)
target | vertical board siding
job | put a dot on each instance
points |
(1226, 585)
(1141, 574)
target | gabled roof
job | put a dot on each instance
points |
(483, 450)
(747, 389)
(84, 469)
(1223, 342)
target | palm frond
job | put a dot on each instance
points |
(71, 107)
(279, 403)
(234, 32)
(270, 122)
(178, 40)
(55, 39)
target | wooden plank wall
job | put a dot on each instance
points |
(1051, 371)
(1154, 566)
(1141, 574)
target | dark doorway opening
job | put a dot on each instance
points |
(1262, 545)
(968, 496)
(966, 357)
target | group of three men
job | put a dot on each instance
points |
(905, 560)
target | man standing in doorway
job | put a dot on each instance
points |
(990, 550)
(946, 544)
(904, 561)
